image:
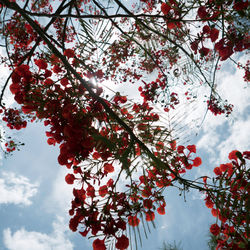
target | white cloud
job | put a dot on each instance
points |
(59, 200)
(23, 240)
(223, 135)
(233, 88)
(209, 141)
(16, 189)
(237, 139)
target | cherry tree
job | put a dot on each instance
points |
(61, 56)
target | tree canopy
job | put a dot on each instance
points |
(120, 150)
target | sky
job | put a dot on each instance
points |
(34, 198)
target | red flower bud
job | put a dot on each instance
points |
(217, 171)
(161, 210)
(215, 229)
(197, 162)
(69, 178)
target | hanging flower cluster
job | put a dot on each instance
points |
(230, 206)
(217, 108)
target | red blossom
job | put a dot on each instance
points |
(194, 46)
(51, 141)
(209, 203)
(41, 64)
(15, 77)
(150, 215)
(225, 52)
(191, 148)
(206, 29)
(98, 245)
(69, 53)
(180, 149)
(103, 190)
(214, 212)
(64, 82)
(232, 155)
(204, 51)
(110, 182)
(122, 242)
(246, 155)
(14, 88)
(197, 162)
(161, 210)
(240, 5)
(99, 74)
(215, 229)
(173, 145)
(147, 203)
(214, 34)
(223, 167)
(108, 168)
(57, 69)
(90, 191)
(230, 169)
(202, 12)
(165, 8)
(133, 221)
(69, 178)
(146, 192)
(171, 25)
(217, 171)
(48, 81)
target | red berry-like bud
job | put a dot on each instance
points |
(69, 178)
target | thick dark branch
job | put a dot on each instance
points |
(90, 16)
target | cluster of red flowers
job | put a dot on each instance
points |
(171, 10)
(207, 33)
(147, 195)
(231, 205)
(10, 146)
(85, 211)
(67, 34)
(151, 91)
(232, 41)
(21, 34)
(215, 106)
(43, 6)
(14, 119)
